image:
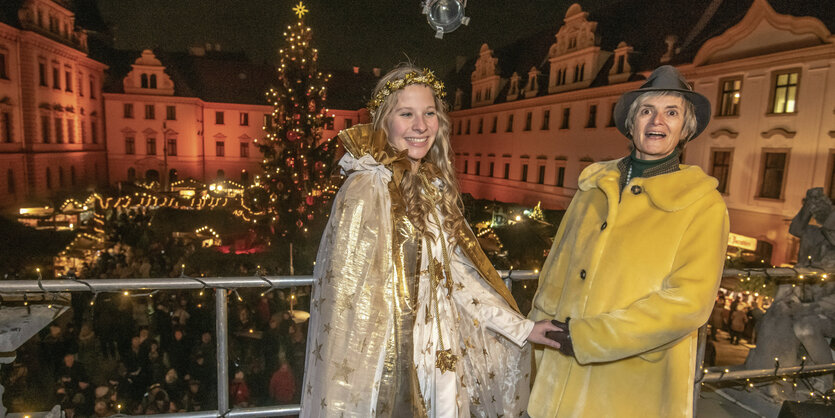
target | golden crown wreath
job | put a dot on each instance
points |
(426, 77)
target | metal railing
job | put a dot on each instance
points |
(222, 285)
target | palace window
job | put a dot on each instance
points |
(170, 112)
(127, 110)
(729, 99)
(218, 118)
(546, 119)
(151, 145)
(172, 147)
(130, 145)
(566, 117)
(773, 174)
(721, 169)
(150, 112)
(592, 122)
(784, 93)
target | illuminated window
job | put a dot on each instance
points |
(784, 94)
(729, 100)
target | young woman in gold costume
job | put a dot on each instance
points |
(409, 318)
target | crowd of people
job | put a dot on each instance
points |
(737, 316)
(155, 353)
(150, 355)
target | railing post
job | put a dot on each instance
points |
(221, 319)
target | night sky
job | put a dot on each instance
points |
(365, 33)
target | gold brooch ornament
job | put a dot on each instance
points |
(445, 360)
(425, 77)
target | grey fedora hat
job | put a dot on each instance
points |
(664, 78)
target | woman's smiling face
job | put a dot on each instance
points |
(413, 124)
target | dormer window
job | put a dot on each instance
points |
(143, 81)
(153, 81)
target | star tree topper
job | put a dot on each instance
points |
(300, 10)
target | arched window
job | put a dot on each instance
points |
(131, 174)
(153, 81)
(48, 178)
(172, 175)
(221, 174)
(244, 177)
(144, 81)
(152, 175)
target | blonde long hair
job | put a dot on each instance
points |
(418, 205)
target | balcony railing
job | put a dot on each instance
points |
(222, 286)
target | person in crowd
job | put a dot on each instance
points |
(739, 318)
(634, 268)
(283, 382)
(409, 318)
(239, 390)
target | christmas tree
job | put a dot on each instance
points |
(297, 162)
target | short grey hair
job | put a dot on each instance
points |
(690, 122)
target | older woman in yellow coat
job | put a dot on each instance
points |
(634, 268)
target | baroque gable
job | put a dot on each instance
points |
(763, 31)
(486, 81)
(148, 76)
(575, 58)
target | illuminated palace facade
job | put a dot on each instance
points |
(192, 115)
(69, 121)
(51, 105)
(524, 127)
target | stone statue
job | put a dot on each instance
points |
(817, 242)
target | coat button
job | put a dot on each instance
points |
(602, 227)
(636, 189)
(583, 274)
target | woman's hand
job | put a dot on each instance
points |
(537, 335)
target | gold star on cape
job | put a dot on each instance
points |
(345, 370)
(300, 10)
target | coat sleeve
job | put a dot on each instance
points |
(683, 303)
(480, 300)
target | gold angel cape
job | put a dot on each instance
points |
(360, 355)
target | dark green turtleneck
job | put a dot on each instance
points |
(647, 168)
(639, 166)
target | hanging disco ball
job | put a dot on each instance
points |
(445, 15)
